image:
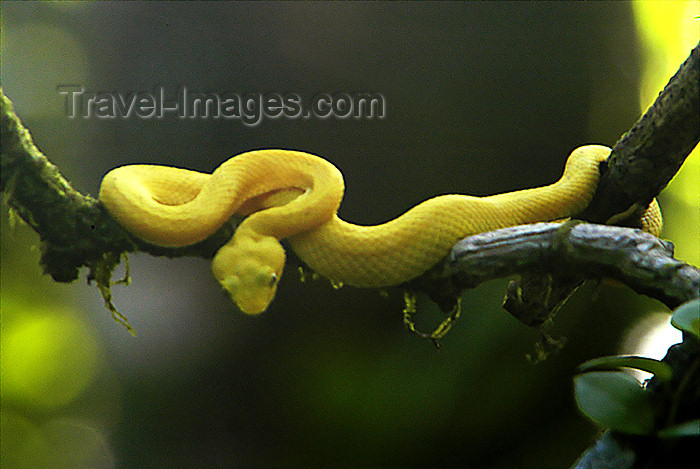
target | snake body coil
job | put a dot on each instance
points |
(295, 195)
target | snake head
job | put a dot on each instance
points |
(249, 270)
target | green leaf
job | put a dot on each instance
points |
(687, 317)
(659, 369)
(616, 400)
(691, 428)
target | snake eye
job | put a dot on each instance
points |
(266, 278)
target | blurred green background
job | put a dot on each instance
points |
(482, 97)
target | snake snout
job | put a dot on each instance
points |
(251, 299)
(249, 271)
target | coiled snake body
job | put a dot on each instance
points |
(294, 195)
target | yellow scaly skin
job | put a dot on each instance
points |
(295, 195)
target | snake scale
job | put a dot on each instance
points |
(292, 195)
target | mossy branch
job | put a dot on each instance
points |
(76, 231)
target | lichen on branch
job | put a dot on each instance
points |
(74, 229)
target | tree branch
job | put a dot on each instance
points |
(641, 261)
(641, 164)
(647, 157)
(75, 230)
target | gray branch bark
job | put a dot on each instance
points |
(647, 157)
(641, 261)
(641, 164)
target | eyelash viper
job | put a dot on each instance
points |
(295, 195)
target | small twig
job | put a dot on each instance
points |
(637, 259)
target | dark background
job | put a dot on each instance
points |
(482, 97)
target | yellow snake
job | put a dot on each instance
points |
(294, 195)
